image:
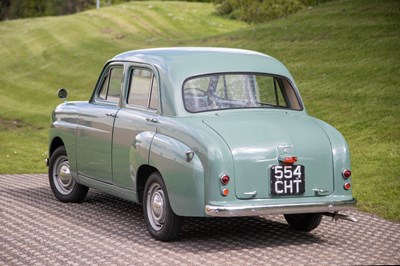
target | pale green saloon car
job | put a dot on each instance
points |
(200, 132)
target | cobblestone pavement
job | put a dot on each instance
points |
(37, 229)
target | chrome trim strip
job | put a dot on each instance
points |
(267, 209)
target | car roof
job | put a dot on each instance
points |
(175, 65)
(184, 62)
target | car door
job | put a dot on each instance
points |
(135, 125)
(95, 130)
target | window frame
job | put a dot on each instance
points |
(105, 75)
(154, 80)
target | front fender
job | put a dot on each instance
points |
(183, 178)
(65, 133)
(64, 124)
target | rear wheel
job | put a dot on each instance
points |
(61, 181)
(305, 222)
(162, 223)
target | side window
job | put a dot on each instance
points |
(104, 87)
(111, 87)
(143, 89)
(154, 94)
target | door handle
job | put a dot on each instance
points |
(111, 114)
(153, 120)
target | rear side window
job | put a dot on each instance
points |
(143, 89)
(238, 90)
(110, 90)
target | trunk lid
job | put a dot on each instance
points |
(258, 138)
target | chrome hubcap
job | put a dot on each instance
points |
(65, 175)
(156, 206)
(62, 176)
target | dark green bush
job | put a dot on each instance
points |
(261, 10)
(13, 9)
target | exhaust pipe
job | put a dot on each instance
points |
(336, 216)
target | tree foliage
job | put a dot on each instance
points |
(13, 9)
(247, 10)
(261, 10)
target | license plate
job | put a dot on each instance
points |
(287, 180)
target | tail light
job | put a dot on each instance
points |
(225, 192)
(346, 173)
(224, 179)
(347, 186)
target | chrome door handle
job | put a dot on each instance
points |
(111, 114)
(153, 120)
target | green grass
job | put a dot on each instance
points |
(38, 56)
(344, 55)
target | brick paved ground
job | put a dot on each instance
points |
(36, 229)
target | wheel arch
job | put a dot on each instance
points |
(58, 140)
(143, 174)
(55, 143)
(62, 183)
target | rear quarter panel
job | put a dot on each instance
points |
(190, 184)
(340, 157)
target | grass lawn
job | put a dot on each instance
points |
(38, 56)
(344, 55)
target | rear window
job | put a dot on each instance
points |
(238, 90)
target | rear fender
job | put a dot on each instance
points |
(183, 174)
(138, 158)
(340, 157)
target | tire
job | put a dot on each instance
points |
(162, 223)
(61, 181)
(305, 222)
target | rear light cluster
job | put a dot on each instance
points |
(346, 175)
(224, 181)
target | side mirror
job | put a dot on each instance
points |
(62, 94)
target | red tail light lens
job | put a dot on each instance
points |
(347, 186)
(224, 179)
(346, 173)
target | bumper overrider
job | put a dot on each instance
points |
(268, 209)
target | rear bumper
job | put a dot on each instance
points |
(267, 209)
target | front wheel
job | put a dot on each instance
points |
(61, 181)
(305, 222)
(162, 223)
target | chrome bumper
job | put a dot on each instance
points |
(267, 209)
